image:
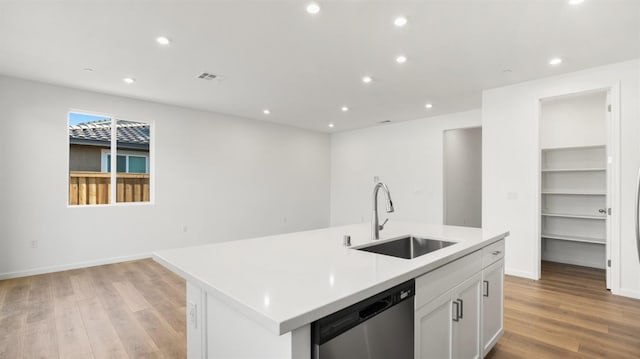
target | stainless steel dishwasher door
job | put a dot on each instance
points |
(387, 334)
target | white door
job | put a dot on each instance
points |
(466, 330)
(609, 177)
(433, 325)
(492, 297)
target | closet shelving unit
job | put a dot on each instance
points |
(574, 194)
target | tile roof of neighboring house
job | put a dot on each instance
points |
(98, 133)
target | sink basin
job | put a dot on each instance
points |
(407, 247)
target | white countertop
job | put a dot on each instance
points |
(286, 281)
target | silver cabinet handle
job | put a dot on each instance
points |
(456, 311)
(461, 308)
(495, 253)
(638, 213)
(486, 288)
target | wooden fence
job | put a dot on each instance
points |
(95, 187)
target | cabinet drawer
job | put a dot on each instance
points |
(492, 253)
(440, 280)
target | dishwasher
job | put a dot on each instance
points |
(379, 327)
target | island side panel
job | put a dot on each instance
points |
(231, 334)
(196, 325)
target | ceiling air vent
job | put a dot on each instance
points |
(207, 76)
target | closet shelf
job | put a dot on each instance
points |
(565, 237)
(573, 192)
(561, 148)
(547, 170)
(568, 215)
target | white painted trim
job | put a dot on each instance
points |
(150, 161)
(520, 273)
(63, 267)
(630, 293)
(613, 197)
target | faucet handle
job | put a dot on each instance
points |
(381, 227)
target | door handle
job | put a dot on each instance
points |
(456, 316)
(461, 308)
(602, 210)
(486, 288)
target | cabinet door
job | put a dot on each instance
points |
(433, 324)
(466, 331)
(492, 298)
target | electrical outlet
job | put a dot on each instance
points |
(185, 229)
(34, 244)
(376, 179)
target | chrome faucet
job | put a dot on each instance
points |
(375, 226)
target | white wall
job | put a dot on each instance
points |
(223, 177)
(511, 155)
(407, 156)
(463, 177)
(576, 120)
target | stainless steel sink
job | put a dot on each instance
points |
(406, 247)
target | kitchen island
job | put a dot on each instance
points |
(256, 298)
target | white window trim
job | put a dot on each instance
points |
(150, 157)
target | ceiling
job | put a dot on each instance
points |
(304, 68)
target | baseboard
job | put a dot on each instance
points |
(63, 267)
(520, 273)
(627, 293)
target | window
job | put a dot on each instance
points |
(126, 163)
(91, 143)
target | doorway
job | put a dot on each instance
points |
(576, 179)
(462, 177)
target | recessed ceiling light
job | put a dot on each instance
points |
(575, 2)
(129, 80)
(266, 111)
(331, 125)
(313, 8)
(429, 105)
(163, 40)
(367, 79)
(344, 109)
(401, 59)
(400, 21)
(555, 61)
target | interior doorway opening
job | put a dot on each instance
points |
(462, 177)
(575, 180)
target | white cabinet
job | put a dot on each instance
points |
(434, 328)
(461, 323)
(466, 326)
(448, 327)
(492, 305)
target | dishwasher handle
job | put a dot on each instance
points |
(375, 308)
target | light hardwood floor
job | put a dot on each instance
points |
(126, 310)
(137, 310)
(567, 314)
